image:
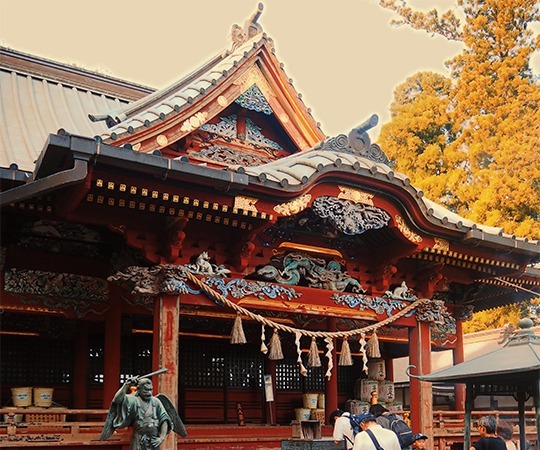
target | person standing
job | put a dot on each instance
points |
(375, 437)
(380, 412)
(419, 441)
(342, 428)
(505, 431)
(487, 427)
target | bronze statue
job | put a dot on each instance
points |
(151, 417)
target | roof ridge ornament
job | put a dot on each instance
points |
(524, 334)
(240, 35)
(357, 142)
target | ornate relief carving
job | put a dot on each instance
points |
(464, 312)
(406, 231)
(239, 35)
(443, 325)
(55, 284)
(294, 207)
(244, 288)
(441, 244)
(432, 312)
(255, 76)
(355, 195)
(401, 292)
(203, 266)
(254, 100)
(379, 305)
(81, 294)
(348, 217)
(226, 155)
(254, 135)
(356, 143)
(194, 122)
(245, 203)
(225, 127)
(171, 279)
(303, 269)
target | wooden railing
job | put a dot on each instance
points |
(23, 427)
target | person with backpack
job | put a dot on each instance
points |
(374, 437)
(395, 423)
(343, 430)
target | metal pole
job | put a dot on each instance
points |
(521, 409)
(469, 401)
(537, 407)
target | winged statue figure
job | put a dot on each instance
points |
(151, 417)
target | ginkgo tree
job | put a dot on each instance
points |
(471, 140)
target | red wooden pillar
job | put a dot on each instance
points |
(331, 385)
(421, 392)
(458, 354)
(80, 368)
(270, 369)
(165, 352)
(113, 334)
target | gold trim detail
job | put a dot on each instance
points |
(286, 246)
(294, 207)
(441, 244)
(245, 203)
(255, 76)
(355, 195)
(406, 231)
(162, 140)
(194, 122)
(222, 101)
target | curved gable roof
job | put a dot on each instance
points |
(175, 111)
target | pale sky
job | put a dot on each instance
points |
(343, 56)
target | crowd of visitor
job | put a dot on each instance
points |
(375, 432)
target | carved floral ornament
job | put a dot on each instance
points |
(293, 207)
(79, 293)
(355, 195)
(245, 203)
(170, 279)
(406, 231)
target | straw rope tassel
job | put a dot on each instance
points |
(275, 346)
(264, 348)
(345, 359)
(329, 347)
(373, 350)
(363, 351)
(237, 334)
(303, 370)
(314, 360)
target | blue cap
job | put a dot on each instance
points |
(419, 436)
(367, 417)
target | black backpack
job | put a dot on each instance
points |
(402, 430)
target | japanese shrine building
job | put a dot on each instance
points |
(137, 225)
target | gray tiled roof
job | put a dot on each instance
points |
(298, 170)
(177, 97)
(32, 107)
(520, 354)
